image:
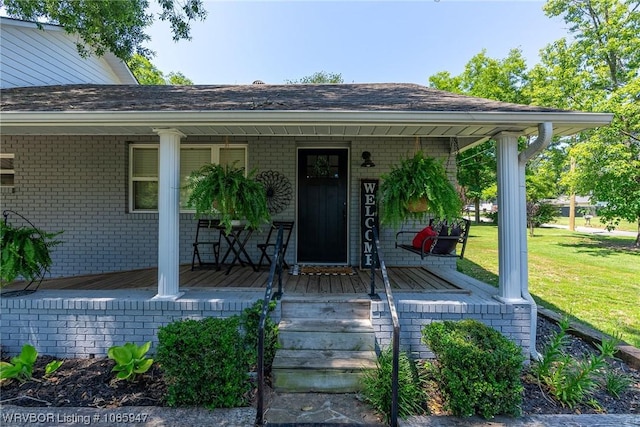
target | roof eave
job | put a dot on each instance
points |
(296, 117)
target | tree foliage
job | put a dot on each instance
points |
(147, 74)
(318, 77)
(109, 25)
(598, 71)
(503, 80)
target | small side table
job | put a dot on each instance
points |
(237, 239)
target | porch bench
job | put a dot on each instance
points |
(441, 241)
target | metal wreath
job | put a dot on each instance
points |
(278, 188)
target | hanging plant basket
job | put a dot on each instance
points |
(417, 187)
(418, 205)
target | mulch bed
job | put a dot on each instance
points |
(90, 383)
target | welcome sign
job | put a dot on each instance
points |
(368, 220)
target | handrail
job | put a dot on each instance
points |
(276, 267)
(396, 324)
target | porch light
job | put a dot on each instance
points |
(368, 163)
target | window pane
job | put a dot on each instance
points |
(145, 195)
(6, 163)
(191, 159)
(233, 156)
(6, 179)
(145, 162)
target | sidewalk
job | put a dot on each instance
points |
(318, 412)
(594, 230)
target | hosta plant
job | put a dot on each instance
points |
(130, 360)
(21, 366)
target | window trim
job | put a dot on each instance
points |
(215, 157)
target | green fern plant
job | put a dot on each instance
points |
(416, 178)
(25, 252)
(225, 192)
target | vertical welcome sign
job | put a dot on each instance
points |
(368, 219)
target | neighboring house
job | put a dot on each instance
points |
(31, 56)
(106, 163)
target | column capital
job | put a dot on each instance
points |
(169, 131)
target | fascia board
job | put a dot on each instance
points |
(250, 117)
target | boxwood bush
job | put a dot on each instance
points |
(480, 369)
(207, 362)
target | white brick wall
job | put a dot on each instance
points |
(512, 320)
(88, 323)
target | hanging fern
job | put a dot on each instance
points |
(25, 252)
(414, 178)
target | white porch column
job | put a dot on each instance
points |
(509, 217)
(169, 214)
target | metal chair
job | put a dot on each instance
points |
(206, 230)
(268, 244)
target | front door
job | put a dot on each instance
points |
(322, 206)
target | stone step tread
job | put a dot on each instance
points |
(338, 310)
(325, 325)
(319, 340)
(316, 381)
(324, 359)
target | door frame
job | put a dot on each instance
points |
(320, 146)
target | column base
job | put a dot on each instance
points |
(159, 297)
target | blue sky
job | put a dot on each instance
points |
(365, 41)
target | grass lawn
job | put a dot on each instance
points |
(593, 278)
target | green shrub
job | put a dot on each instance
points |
(377, 386)
(250, 320)
(479, 368)
(207, 362)
(204, 362)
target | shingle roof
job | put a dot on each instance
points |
(323, 97)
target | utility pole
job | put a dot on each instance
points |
(572, 200)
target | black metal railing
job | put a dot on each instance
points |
(393, 421)
(276, 268)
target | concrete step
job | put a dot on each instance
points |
(325, 359)
(305, 371)
(327, 340)
(326, 344)
(327, 308)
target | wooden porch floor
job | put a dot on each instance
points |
(401, 278)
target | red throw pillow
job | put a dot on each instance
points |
(426, 233)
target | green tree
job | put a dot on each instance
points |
(147, 74)
(109, 25)
(503, 80)
(599, 71)
(318, 77)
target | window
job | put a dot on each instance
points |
(143, 170)
(7, 171)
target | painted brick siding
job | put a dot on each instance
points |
(88, 326)
(79, 184)
(512, 320)
(88, 323)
